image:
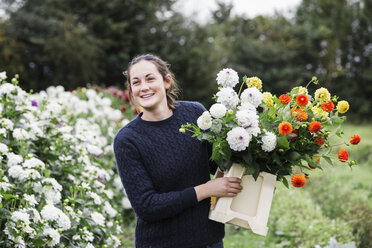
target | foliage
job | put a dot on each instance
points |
(58, 182)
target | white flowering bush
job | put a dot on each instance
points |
(58, 181)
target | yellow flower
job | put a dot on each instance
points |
(268, 99)
(322, 94)
(319, 112)
(342, 107)
(301, 90)
(254, 82)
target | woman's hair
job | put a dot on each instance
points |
(163, 68)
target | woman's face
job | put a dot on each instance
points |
(148, 86)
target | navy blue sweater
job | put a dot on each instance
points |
(159, 167)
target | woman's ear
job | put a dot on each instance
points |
(168, 81)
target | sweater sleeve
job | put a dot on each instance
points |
(148, 204)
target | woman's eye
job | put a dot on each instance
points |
(151, 79)
(135, 82)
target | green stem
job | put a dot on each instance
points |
(241, 86)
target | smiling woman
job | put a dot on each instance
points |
(165, 173)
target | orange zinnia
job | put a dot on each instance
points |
(298, 180)
(354, 140)
(319, 141)
(328, 107)
(285, 128)
(284, 99)
(299, 115)
(343, 156)
(315, 126)
(302, 100)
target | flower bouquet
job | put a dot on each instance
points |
(261, 137)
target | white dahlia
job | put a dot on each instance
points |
(247, 118)
(217, 110)
(238, 139)
(205, 121)
(268, 142)
(252, 95)
(228, 97)
(227, 78)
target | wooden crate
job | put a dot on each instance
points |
(251, 207)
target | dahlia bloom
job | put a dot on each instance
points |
(227, 78)
(268, 99)
(204, 121)
(252, 95)
(302, 100)
(285, 128)
(315, 127)
(299, 115)
(268, 142)
(254, 82)
(228, 97)
(217, 110)
(354, 140)
(342, 107)
(328, 107)
(343, 155)
(284, 99)
(319, 112)
(319, 141)
(238, 139)
(322, 94)
(298, 180)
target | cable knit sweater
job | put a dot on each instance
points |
(159, 167)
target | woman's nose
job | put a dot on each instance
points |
(144, 86)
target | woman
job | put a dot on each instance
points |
(166, 173)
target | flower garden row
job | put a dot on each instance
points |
(58, 186)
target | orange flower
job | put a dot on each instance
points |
(312, 167)
(354, 140)
(285, 128)
(284, 99)
(299, 115)
(319, 141)
(298, 180)
(328, 107)
(295, 137)
(343, 156)
(302, 100)
(315, 126)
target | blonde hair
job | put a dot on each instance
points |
(163, 67)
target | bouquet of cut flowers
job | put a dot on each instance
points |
(265, 133)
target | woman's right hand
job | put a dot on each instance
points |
(219, 187)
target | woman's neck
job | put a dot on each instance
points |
(158, 114)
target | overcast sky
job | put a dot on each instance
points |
(201, 9)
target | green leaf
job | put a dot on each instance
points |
(285, 182)
(310, 161)
(294, 156)
(9, 196)
(328, 159)
(282, 142)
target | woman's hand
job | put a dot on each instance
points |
(219, 187)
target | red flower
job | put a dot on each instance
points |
(328, 107)
(285, 128)
(298, 180)
(354, 140)
(315, 126)
(285, 99)
(343, 156)
(302, 100)
(319, 141)
(295, 137)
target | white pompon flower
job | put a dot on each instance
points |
(238, 139)
(3, 148)
(205, 121)
(252, 95)
(218, 110)
(7, 124)
(247, 106)
(96, 198)
(50, 212)
(247, 118)
(17, 172)
(268, 142)
(98, 218)
(34, 163)
(20, 134)
(24, 217)
(227, 78)
(52, 235)
(64, 221)
(14, 159)
(253, 130)
(30, 199)
(228, 97)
